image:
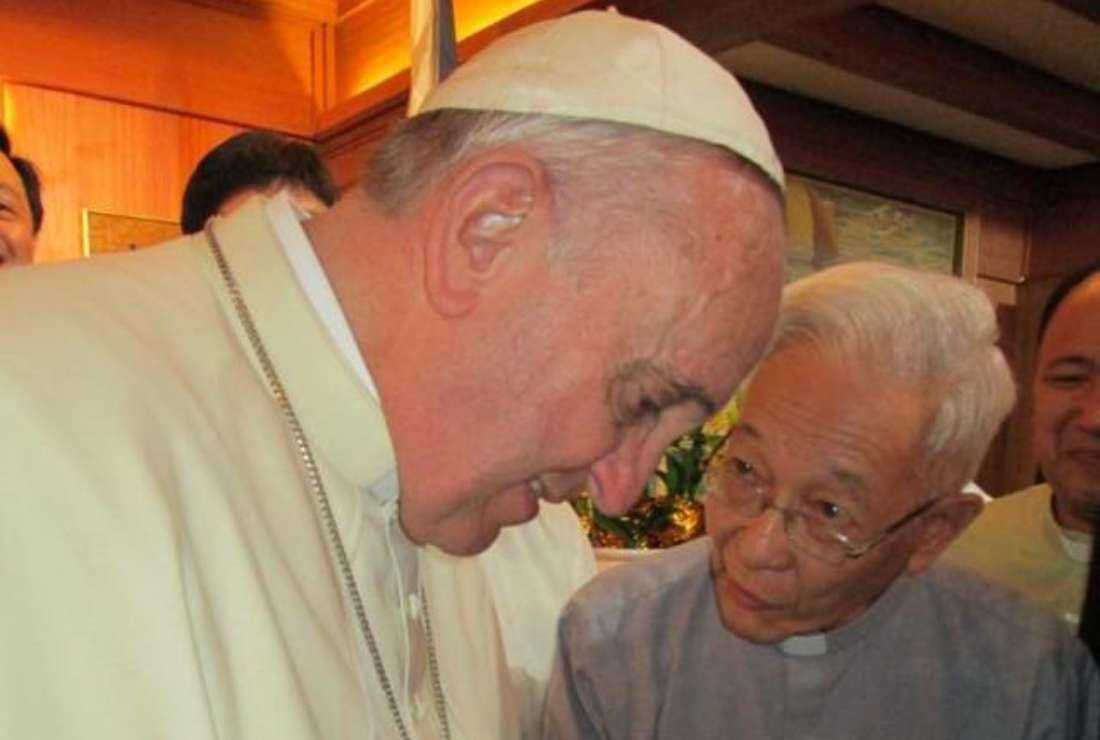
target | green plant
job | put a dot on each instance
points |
(670, 510)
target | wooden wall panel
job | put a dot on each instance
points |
(1004, 242)
(372, 40)
(166, 54)
(371, 45)
(104, 156)
(830, 142)
(320, 10)
(1066, 233)
(346, 154)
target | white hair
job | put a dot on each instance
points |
(934, 333)
(617, 166)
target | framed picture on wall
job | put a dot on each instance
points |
(829, 223)
(115, 232)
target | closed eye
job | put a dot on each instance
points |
(641, 391)
(644, 410)
(1065, 380)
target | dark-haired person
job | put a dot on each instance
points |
(254, 163)
(20, 206)
(1037, 540)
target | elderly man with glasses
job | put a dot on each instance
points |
(812, 609)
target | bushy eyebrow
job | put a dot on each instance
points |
(851, 481)
(667, 388)
(685, 392)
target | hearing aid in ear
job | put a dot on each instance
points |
(495, 222)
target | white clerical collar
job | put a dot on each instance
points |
(286, 219)
(1077, 545)
(805, 646)
(841, 638)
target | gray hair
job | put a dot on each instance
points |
(616, 165)
(934, 333)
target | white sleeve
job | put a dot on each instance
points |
(532, 570)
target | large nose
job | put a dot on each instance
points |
(621, 475)
(763, 543)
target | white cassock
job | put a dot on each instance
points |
(163, 570)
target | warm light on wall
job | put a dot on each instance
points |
(390, 48)
(474, 15)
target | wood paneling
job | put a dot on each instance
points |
(1004, 240)
(166, 54)
(1066, 231)
(383, 97)
(881, 45)
(319, 10)
(346, 154)
(1086, 8)
(104, 156)
(372, 41)
(717, 26)
(372, 38)
(344, 7)
(371, 46)
(829, 142)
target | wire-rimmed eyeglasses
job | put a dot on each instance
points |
(818, 528)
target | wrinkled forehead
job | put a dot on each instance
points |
(839, 415)
(733, 326)
(738, 233)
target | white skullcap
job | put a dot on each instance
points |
(600, 65)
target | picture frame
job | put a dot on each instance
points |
(103, 232)
(829, 223)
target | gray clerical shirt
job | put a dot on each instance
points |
(642, 654)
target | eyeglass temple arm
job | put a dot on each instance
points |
(855, 550)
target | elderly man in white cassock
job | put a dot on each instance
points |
(813, 609)
(241, 469)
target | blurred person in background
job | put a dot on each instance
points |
(20, 206)
(255, 163)
(1037, 541)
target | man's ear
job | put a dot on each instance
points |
(946, 521)
(484, 215)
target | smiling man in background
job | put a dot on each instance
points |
(20, 206)
(1037, 541)
(811, 610)
(236, 460)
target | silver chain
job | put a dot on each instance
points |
(313, 476)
